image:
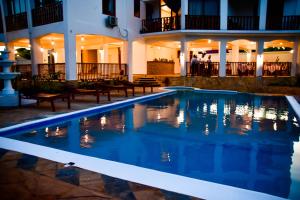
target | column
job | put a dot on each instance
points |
(235, 53)
(259, 57)
(223, 14)
(69, 44)
(183, 56)
(11, 48)
(3, 21)
(36, 55)
(70, 56)
(184, 12)
(263, 5)
(105, 49)
(295, 57)
(129, 59)
(222, 54)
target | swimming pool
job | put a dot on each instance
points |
(235, 139)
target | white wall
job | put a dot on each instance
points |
(139, 57)
(154, 52)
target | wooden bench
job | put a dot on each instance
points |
(91, 92)
(47, 97)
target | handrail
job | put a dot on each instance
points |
(48, 14)
(202, 22)
(161, 24)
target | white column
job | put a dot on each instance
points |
(69, 44)
(263, 5)
(183, 56)
(3, 21)
(222, 54)
(295, 57)
(259, 57)
(223, 14)
(105, 48)
(184, 11)
(70, 56)
(11, 48)
(235, 53)
(130, 59)
(36, 55)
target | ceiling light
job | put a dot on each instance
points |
(209, 41)
(82, 38)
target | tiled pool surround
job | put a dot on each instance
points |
(166, 181)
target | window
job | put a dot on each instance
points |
(137, 8)
(109, 7)
(15, 7)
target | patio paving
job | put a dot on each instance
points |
(28, 177)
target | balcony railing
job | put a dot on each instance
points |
(94, 71)
(283, 23)
(160, 24)
(16, 22)
(243, 22)
(202, 22)
(277, 68)
(240, 68)
(203, 69)
(48, 14)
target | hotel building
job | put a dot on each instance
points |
(95, 39)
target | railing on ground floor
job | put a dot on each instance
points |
(24, 69)
(160, 24)
(202, 69)
(202, 22)
(277, 68)
(240, 68)
(94, 71)
(55, 71)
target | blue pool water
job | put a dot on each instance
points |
(241, 140)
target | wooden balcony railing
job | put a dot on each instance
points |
(16, 22)
(243, 22)
(283, 23)
(160, 24)
(94, 71)
(202, 22)
(48, 14)
(240, 68)
(203, 69)
(277, 68)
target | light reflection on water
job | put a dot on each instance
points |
(240, 140)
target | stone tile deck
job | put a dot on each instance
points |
(28, 177)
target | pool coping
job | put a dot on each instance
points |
(167, 181)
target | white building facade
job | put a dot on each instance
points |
(95, 39)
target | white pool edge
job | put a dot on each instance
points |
(171, 182)
(295, 105)
(154, 178)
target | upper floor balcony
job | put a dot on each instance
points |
(160, 24)
(16, 22)
(291, 22)
(47, 14)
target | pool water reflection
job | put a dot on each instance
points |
(240, 140)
